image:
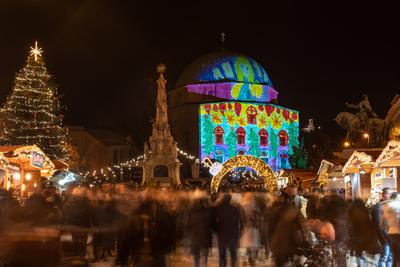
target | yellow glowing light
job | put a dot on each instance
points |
(28, 176)
(8, 185)
(346, 144)
(161, 68)
(23, 188)
(366, 135)
(257, 164)
(36, 51)
(35, 185)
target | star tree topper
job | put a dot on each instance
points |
(161, 68)
(36, 51)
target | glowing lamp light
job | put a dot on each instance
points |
(346, 144)
(23, 188)
(35, 185)
(366, 136)
(28, 176)
(334, 179)
(215, 168)
(17, 176)
(8, 185)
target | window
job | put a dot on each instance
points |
(241, 152)
(283, 138)
(161, 171)
(263, 137)
(219, 156)
(264, 156)
(251, 115)
(219, 135)
(241, 136)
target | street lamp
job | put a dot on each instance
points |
(366, 136)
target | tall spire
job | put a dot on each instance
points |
(161, 122)
(163, 152)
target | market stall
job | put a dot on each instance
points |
(23, 167)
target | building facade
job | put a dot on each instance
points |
(99, 148)
(224, 105)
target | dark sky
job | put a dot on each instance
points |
(103, 53)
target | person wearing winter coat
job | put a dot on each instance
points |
(200, 229)
(229, 223)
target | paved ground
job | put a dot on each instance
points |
(183, 259)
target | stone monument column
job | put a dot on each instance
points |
(161, 164)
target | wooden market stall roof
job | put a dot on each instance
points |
(21, 155)
(355, 161)
(390, 156)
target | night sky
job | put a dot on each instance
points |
(103, 53)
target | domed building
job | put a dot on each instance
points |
(224, 105)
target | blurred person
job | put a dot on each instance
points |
(385, 259)
(76, 212)
(286, 233)
(362, 234)
(251, 233)
(390, 222)
(229, 223)
(313, 204)
(130, 223)
(200, 227)
(334, 209)
(162, 231)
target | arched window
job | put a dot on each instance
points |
(283, 138)
(251, 115)
(219, 156)
(263, 137)
(284, 160)
(241, 136)
(264, 156)
(219, 135)
(160, 171)
(241, 152)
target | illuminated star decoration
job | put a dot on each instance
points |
(161, 68)
(36, 51)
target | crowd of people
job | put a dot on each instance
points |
(123, 224)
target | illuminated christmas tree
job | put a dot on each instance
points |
(231, 142)
(208, 139)
(31, 114)
(254, 143)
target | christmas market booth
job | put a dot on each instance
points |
(22, 168)
(358, 174)
(387, 167)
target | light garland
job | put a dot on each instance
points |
(246, 161)
(31, 111)
(356, 160)
(391, 150)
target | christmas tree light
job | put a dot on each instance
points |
(31, 114)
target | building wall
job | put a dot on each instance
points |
(95, 155)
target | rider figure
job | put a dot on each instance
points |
(365, 111)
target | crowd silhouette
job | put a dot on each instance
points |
(130, 225)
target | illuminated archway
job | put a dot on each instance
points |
(257, 164)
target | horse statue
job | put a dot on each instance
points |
(350, 122)
(377, 128)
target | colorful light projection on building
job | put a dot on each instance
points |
(266, 131)
(235, 91)
(233, 78)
